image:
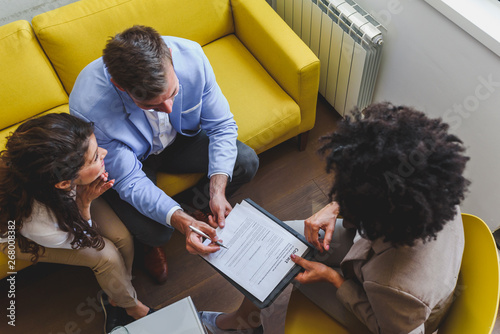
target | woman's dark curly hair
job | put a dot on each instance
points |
(398, 173)
(40, 153)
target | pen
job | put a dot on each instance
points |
(195, 230)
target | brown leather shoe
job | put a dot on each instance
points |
(155, 263)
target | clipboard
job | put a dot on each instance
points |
(308, 254)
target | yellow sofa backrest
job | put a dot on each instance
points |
(28, 84)
(74, 35)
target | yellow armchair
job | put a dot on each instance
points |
(474, 310)
(281, 52)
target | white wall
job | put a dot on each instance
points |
(433, 65)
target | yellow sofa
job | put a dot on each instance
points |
(266, 72)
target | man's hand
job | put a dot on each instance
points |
(316, 272)
(194, 242)
(85, 194)
(219, 205)
(324, 220)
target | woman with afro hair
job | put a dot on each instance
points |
(397, 251)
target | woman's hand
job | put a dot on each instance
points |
(322, 220)
(89, 192)
(316, 272)
(85, 194)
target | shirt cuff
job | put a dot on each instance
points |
(171, 212)
(219, 173)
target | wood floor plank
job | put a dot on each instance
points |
(324, 182)
(300, 204)
(212, 294)
(280, 177)
(185, 270)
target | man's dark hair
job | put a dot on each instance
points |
(397, 173)
(137, 59)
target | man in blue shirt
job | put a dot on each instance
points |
(156, 106)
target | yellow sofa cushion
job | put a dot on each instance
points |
(173, 184)
(264, 112)
(74, 35)
(281, 52)
(28, 84)
(6, 132)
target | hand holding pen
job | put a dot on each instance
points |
(194, 242)
(195, 230)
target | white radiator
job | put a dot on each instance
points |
(348, 42)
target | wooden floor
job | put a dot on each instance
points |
(56, 299)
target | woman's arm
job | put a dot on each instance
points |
(382, 309)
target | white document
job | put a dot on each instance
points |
(259, 249)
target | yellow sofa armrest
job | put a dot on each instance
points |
(281, 52)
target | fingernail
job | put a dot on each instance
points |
(293, 256)
(327, 247)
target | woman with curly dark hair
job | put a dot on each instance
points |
(50, 172)
(397, 182)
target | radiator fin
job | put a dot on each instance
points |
(348, 42)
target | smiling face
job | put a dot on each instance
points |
(94, 163)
